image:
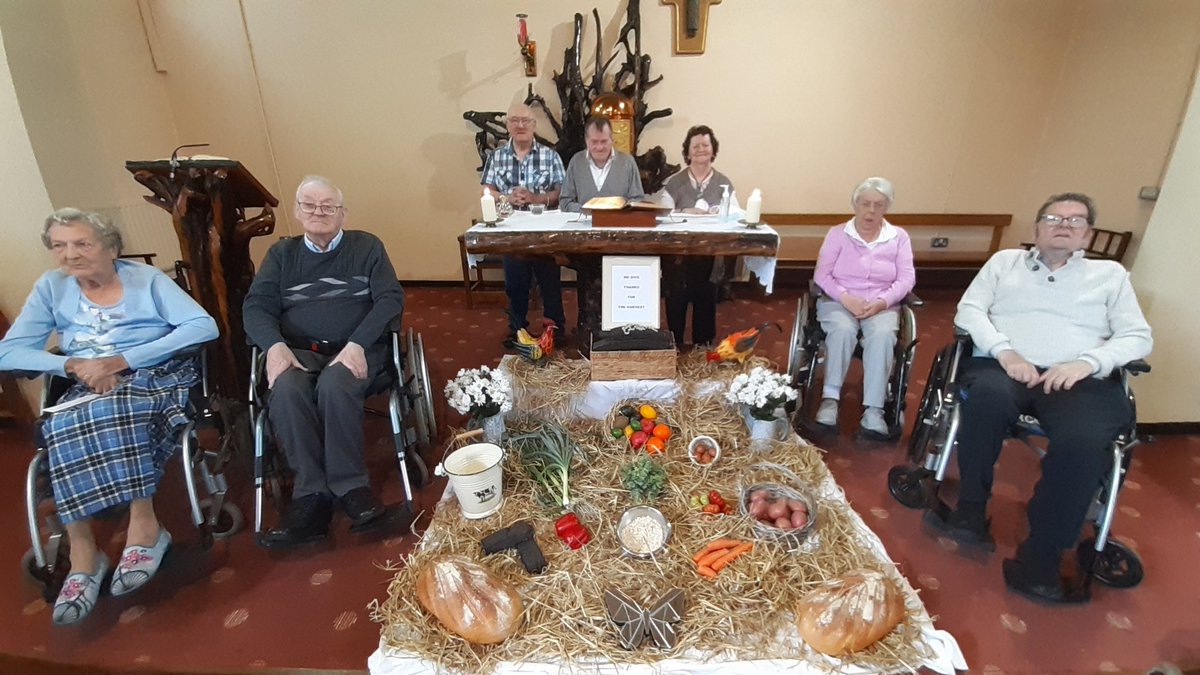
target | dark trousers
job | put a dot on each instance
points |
(519, 274)
(688, 280)
(318, 418)
(1080, 423)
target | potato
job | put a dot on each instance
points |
(783, 523)
(799, 519)
(757, 497)
(757, 509)
(795, 504)
(778, 510)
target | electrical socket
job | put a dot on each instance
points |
(940, 242)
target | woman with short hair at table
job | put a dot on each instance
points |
(865, 269)
(121, 326)
(697, 189)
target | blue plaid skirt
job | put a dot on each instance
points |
(112, 450)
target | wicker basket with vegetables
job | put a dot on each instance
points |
(779, 512)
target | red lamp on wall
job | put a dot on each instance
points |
(528, 47)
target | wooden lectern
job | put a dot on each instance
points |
(207, 200)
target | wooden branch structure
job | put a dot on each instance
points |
(207, 200)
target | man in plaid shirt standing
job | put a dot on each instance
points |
(527, 172)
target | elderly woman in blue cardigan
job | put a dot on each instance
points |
(121, 327)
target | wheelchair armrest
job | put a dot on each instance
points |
(258, 362)
(913, 300)
(1136, 367)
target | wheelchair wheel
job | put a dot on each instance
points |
(930, 417)
(911, 486)
(418, 470)
(229, 520)
(1118, 566)
(426, 389)
(50, 582)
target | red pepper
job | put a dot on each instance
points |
(714, 497)
(577, 537)
(562, 525)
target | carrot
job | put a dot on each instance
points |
(730, 556)
(706, 572)
(711, 557)
(715, 545)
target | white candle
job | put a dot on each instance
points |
(754, 207)
(487, 204)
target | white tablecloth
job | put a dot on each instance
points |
(763, 267)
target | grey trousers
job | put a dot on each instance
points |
(317, 417)
(879, 343)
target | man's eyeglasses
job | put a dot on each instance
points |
(521, 121)
(1074, 222)
(323, 209)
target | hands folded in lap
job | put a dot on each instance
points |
(100, 374)
(1060, 377)
(280, 358)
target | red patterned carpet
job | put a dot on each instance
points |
(238, 608)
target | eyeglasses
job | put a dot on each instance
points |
(323, 209)
(521, 121)
(1074, 222)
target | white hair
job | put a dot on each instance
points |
(323, 182)
(106, 231)
(881, 185)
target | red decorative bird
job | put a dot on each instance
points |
(740, 345)
(539, 348)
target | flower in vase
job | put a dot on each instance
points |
(481, 392)
(762, 391)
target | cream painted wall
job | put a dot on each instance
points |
(982, 106)
(89, 94)
(1166, 278)
(26, 203)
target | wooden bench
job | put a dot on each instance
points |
(971, 237)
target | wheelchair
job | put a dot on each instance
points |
(48, 562)
(933, 439)
(410, 411)
(805, 353)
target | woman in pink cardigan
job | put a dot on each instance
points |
(865, 269)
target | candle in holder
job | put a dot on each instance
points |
(487, 204)
(754, 207)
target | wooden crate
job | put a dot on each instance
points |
(645, 364)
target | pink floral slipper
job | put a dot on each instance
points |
(79, 593)
(139, 564)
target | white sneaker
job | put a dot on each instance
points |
(827, 414)
(872, 420)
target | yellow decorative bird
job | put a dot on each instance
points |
(539, 348)
(740, 345)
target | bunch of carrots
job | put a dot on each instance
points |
(717, 554)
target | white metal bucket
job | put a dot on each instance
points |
(476, 473)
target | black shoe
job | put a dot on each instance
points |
(361, 506)
(510, 342)
(1041, 587)
(966, 529)
(306, 520)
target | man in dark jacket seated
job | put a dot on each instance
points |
(319, 308)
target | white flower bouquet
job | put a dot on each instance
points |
(481, 392)
(762, 391)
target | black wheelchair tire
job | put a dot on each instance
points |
(49, 583)
(910, 486)
(1118, 566)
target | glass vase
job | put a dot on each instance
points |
(494, 429)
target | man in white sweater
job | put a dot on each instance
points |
(1049, 327)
